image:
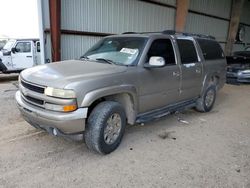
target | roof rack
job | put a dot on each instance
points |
(129, 33)
(173, 32)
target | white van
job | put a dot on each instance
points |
(19, 54)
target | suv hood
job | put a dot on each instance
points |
(59, 74)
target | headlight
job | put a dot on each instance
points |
(60, 93)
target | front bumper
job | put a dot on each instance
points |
(65, 123)
(241, 78)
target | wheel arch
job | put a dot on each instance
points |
(209, 79)
(126, 95)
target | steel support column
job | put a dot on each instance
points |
(181, 14)
(234, 24)
(55, 27)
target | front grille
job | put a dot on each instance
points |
(32, 87)
(36, 101)
(27, 95)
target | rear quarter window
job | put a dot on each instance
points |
(211, 49)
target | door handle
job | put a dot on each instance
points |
(29, 56)
(177, 74)
(198, 71)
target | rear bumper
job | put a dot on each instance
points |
(65, 123)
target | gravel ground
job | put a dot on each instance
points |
(189, 149)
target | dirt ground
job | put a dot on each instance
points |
(189, 149)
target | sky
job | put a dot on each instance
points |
(19, 18)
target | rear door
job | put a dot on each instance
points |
(23, 56)
(191, 67)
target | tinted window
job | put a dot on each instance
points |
(210, 49)
(23, 47)
(162, 48)
(187, 51)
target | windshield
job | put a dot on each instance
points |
(9, 45)
(119, 50)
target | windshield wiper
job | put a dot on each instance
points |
(84, 57)
(106, 60)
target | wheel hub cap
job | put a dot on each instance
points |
(112, 129)
(209, 98)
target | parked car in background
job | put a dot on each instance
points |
(128, 78)
(238, 67)
(2, 43)
(19, 54)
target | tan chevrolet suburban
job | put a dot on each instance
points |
(123, 79)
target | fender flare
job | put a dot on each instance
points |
(92, 96)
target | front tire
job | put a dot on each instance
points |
(206, 102)
(105, 127)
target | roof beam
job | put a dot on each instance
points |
(233, 25)
(181, 14)
(55, 27)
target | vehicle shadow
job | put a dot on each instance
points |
(8, 77)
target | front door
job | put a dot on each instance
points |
(23, 56)
(191, 67)
(159, 86)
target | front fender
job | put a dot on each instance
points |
(92, 96)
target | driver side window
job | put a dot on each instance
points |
(23, 47)
(164, 49)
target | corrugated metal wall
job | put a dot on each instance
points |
(112, 16)
(46, 24)
(117, 16)
(168, 2)
(245, 18)
(75, 46)
(208, 25)
(245, 15)
(219, 8)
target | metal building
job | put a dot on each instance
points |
(78, 24)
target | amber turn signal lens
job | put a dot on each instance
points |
(69, 108)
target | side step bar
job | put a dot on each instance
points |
(159, 113)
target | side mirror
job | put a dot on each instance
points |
(13, 50)
(155, 62)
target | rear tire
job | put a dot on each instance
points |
(105, 127)
(206, 102)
